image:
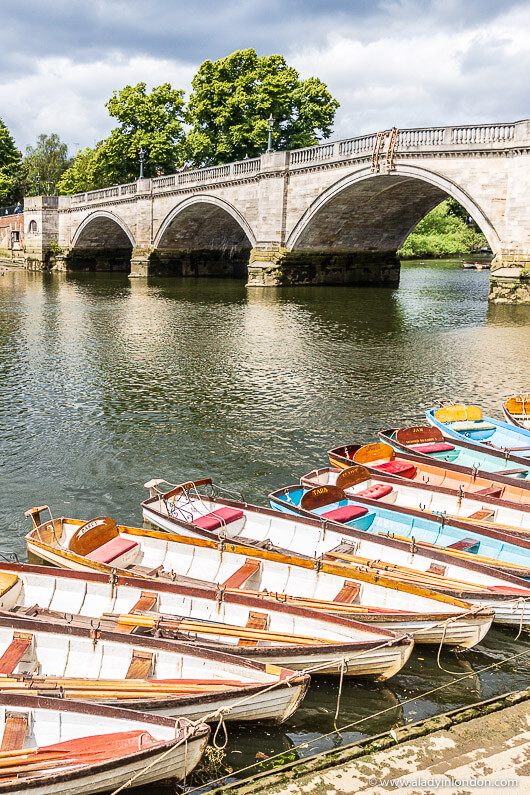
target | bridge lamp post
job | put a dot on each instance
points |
(270, 122)
(141, 155)
(37, 177)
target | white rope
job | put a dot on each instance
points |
(320, 737)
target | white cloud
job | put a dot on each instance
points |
(470, 76)
(398, 66)
(69, 98)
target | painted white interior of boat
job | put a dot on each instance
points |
(47, 726)
(94, 599)
(53, 654)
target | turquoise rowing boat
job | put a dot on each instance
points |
(468, 423)
(331, 503)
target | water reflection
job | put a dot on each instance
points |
(107, 382)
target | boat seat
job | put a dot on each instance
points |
(490, 491)
(140, 665)
(7, 581)
(433, 447)
(15, 729)
(14, 653)
(466, 425)
(111, 550)
(348, 592)
(402, 468)
(239, 577)
(375, 492)
(465, 545)
(347, 513)
(255, 621)
(518, 471)
(218, 518)
(484, 513)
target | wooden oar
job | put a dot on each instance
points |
(188, 625)
(409, 575)
(460, 554)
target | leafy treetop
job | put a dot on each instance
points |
(152, 121)
(49, 158)
(232, 99)
(10, 171)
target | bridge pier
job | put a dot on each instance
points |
(277, 266)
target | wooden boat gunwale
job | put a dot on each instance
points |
(417, 455)
(197, 731)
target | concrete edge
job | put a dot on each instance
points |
(260, 782)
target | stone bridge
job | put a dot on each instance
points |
(332, 213)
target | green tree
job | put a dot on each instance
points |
(152, 121)
(442, 233)
(232, 99)
(49, 159)
(10, 171)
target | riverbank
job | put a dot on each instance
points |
(487, 742)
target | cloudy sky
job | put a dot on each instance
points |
(389, 62)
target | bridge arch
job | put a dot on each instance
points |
(102, 241)
(104, 227)
(377, 212)
(199, 211)
(203, 235)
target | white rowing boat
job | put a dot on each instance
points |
(50, 747)
(241, 624)
(146, 674)
(371, 489)
(331, 584)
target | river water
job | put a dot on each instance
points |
(107, 382)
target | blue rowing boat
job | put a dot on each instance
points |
(332, 504)
(468, 423)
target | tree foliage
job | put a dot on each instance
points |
(11, 189)
(232, 99)
(152, 121)
(443, 232)
(49, 159)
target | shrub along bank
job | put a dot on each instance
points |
(443, 232)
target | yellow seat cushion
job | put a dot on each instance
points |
(458, 413)
(7, 580)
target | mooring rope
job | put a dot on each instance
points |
(320, 737)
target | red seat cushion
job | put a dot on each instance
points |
(345, 514)
(403, 468)
(376, 491)
(221, 516)
(111, 550)
(434, 447)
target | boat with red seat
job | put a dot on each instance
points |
(380, 458)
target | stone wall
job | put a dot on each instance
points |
(12, 238)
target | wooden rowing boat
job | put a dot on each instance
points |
(162, 555)
(147, 674)
(50, 746)
(270, 631)
(468, 422)
(465, 511)
(462, 457)
(517, 410)
(381, 459)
